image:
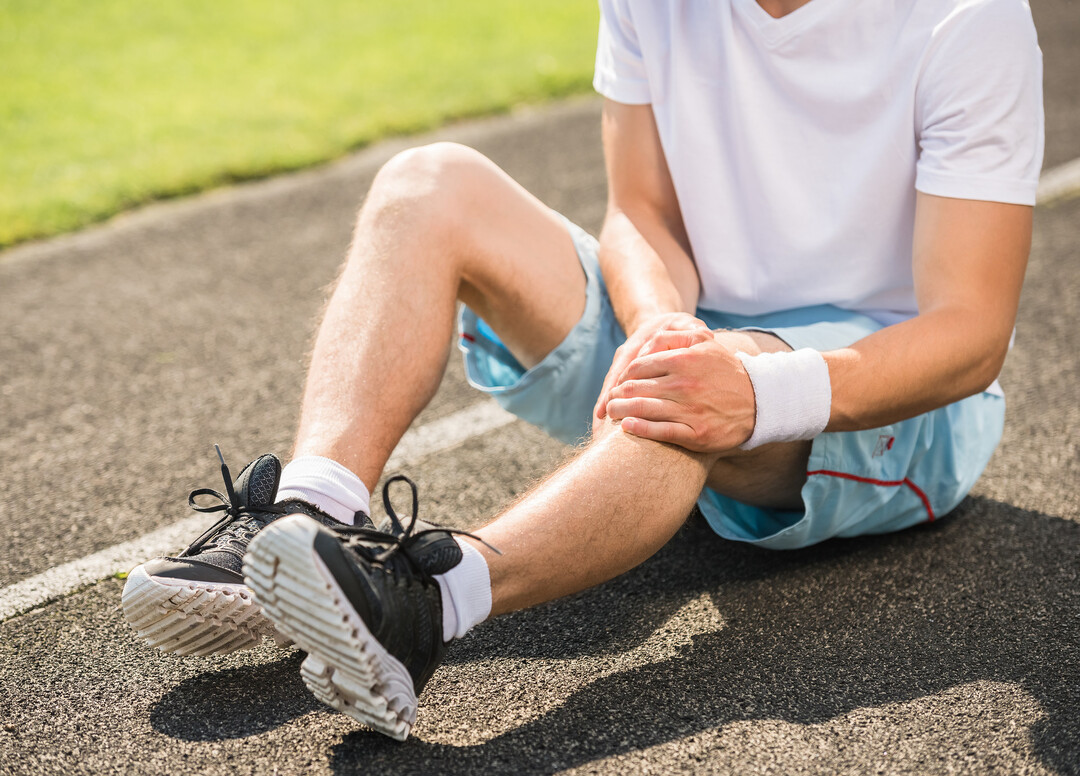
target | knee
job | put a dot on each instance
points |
(608, 434)
(433, 185)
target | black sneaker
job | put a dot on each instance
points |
(196, 603)
(363, 604)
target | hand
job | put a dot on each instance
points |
(698, 396)
(660, 332)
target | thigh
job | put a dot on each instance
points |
(520, 270)
(558, 393)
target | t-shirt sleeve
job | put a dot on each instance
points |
(620, 70)
(979, 109)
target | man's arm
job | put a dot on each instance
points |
(644, 251)
(969, 261)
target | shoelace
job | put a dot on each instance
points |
(230, 504)
(401, 535)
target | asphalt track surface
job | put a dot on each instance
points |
(128, 349)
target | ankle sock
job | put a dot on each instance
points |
(466, 592)
(325, 484)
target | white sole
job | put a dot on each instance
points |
(346, 668)
(189, 617)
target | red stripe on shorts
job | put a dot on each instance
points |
(885, 483)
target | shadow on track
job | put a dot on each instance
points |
(234, 703)
(990, 594)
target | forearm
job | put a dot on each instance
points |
(968, 260)
(914, 367)
(647, 269)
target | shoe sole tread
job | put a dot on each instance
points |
(346, 668)
(188, 617)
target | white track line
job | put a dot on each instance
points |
(448, 432)
(1060, 182)
(433, 437)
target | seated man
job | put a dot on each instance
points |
(818, 223)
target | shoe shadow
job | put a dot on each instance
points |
(988, 598)
(245, 701)
(234, 703)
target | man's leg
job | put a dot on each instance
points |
(444, 223)
(610, 508)
(374, 615)
(621, 500)
(441, 224)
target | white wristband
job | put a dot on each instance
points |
(793, 395)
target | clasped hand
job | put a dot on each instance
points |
(673, 381)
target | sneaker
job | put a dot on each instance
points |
(196, 603)
(363, 604)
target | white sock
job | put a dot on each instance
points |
(325, 484)
(466, 593)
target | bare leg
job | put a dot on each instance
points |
(620, 501)
(605, 512)
(441, 223)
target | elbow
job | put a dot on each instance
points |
(988, 367)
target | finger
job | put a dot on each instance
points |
(609, 380)
(601, 406)
(659, 431)
(601, 400)
(646, 408)
(624, 355)
(629, 389)
(672, 340)
(649, 367)
(605, 395)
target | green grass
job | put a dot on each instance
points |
(111, 103)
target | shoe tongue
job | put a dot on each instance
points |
(435, 553)
(258, 483)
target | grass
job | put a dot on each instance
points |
(108, 104)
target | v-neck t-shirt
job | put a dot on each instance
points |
(796, 144)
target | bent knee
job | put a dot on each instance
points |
(434, 180)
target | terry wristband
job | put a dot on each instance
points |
(793, 396)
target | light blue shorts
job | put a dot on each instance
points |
(860, 482)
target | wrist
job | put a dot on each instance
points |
(640, 320)
(792, 394)
(663, 319)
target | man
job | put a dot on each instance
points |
(818, 223)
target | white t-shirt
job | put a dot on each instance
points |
(796, 144)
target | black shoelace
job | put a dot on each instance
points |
(230, 505)
(401, 535)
